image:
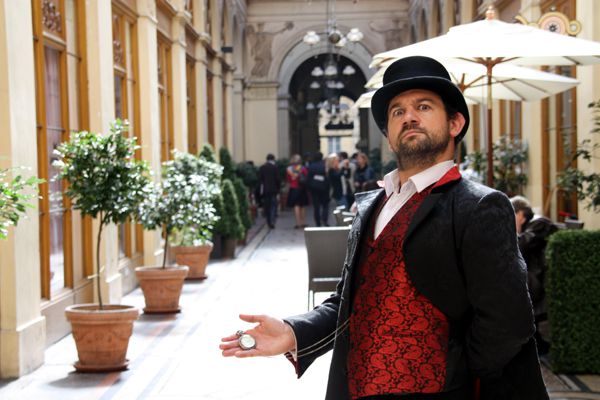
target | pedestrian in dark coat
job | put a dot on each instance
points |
(270, 183)
(432, 301)
(318, 185)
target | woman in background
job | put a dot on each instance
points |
(335, 175)
(296, 175)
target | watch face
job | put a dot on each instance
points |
(246, 342)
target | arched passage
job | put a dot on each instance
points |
(314, 101)
(294, 74)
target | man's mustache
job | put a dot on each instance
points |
(412, 127)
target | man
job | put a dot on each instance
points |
(523, 212)
(533, 233)
(433, 301)
(270, 182)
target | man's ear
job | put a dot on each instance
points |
(457, 121)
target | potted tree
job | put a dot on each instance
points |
(13, 199)
(192, 244)
(105, 182)
(180, 200)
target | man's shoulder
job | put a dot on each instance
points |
(469, 188)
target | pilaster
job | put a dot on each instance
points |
(22, 327)
(178, 78)
(239, 150)
(261, 120)
(587, 91)
(149, 107)
(99, 53)
(217, 69)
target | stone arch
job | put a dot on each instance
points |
(297, 54)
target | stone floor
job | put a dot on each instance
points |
(177, 356)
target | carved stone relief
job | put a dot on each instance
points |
(393, 35)
(261, 43)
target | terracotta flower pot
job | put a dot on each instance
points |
(101, 336)
(161, 287)
(195, 257)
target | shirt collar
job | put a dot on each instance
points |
(421, 180)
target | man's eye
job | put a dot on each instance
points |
(424, 107)
(396, 113)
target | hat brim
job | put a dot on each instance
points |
(448, 91)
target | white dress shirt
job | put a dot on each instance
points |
(398, 196)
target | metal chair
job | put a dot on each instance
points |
(326, 249)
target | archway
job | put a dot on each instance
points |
(322, 91)
(294, 79)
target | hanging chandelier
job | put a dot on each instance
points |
(334, 36)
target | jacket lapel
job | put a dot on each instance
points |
(365, 202)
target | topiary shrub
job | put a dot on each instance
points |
(573, 297)
(229, 172)
(227, 163)
(208, 153)
(248, 173)
(241, 193)
(230, 224)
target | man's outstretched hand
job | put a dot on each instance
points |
(272, 335)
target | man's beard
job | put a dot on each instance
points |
(421, 150)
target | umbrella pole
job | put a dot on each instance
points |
(490, 154)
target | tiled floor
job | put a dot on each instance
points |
(177, 356)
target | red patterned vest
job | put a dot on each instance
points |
(398, 339)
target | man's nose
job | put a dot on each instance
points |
(410, 116)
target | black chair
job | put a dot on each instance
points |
(326, 249)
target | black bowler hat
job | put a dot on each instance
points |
(417, 72)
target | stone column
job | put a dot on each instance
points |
(22, 327)
(149, 108)
(260, 116)
(217, 81)
(99, 53)
(238, 147)
(587, 91)
(201, 95)
(283, 122)
(178, 79)
(228, 102)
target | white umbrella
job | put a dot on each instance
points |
(509, 82)
(491, 42)
(364, 101)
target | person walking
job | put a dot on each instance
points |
(296, 177)
(335, 176)
(270, 183)
(318, 184)
(347, 168)
(363, 174)
(432, 301)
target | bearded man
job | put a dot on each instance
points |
(432, 301)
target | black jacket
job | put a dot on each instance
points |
(268, 175)
(461, 253)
